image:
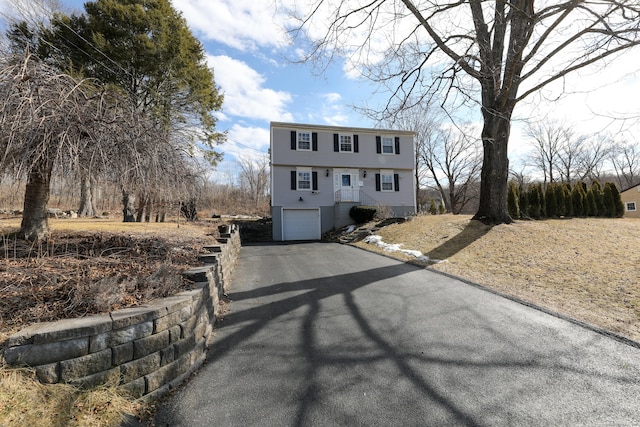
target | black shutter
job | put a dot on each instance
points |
(294, 184)
(314, 141)
(397, 145)
(336, 142)
(314, 179)
(396, 181)
(378, 145)
(356, 146)
(294, 139)
(377, 182)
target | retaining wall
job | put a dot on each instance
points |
(147, 349)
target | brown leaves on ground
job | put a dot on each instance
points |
(75, 274)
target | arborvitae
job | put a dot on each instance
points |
(512, 201)
(568, 200)
(597, 194)
(561, 204)
(607, 201)
(591, 205)
(432, 207)
(618, 204)
(550, 201)
(534, 202)
(543, 201)
(523, 202)
(578, 197)
(441, 209)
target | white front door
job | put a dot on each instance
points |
(346, 186)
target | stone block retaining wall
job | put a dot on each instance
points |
(147, 349)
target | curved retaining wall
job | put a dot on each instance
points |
(147, 349)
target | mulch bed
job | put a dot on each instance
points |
(89, 273)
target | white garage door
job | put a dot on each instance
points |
(301, 224)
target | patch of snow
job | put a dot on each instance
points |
(351, 228)
(396, 247)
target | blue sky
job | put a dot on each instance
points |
(250, 53)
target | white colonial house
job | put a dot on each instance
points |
(319, 172)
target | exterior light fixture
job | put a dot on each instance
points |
(364, 174)
(300, 199)
(326, 173)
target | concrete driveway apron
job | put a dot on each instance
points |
(323, 334)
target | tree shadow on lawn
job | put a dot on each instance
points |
(473, 231)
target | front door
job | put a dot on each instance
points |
(346, 186)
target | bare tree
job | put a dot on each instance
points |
(548, 138)
(569, 157)
(496, 53)
(424, 119)
(453, 160)
(592, 157)
(50, 118)
(44, 115)
(625, 157)
(254, 178)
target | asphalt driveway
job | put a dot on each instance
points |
(323, 334)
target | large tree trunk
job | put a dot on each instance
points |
(87, 195)
(35, 223)
(495, 170)
(128, 206)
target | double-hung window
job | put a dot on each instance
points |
(386, 181)
(346, 144)
(304, 180)
(304, 141)
(387, 145)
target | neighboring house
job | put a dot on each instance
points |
(631, 199)
(319, 172)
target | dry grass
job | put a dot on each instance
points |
(26, 402)
(588, 269)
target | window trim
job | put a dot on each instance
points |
(391, 145)
(343, 135)
(310, 141)
(628, 204)
(302, 171)
(384, 175)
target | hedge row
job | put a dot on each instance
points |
(563, 200)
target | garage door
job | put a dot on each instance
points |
(301, 224)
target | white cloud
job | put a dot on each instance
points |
(241, 24)
(332, 97)
(244, 94)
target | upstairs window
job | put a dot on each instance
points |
(304, 140)
(387, 145)
(345, 143)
